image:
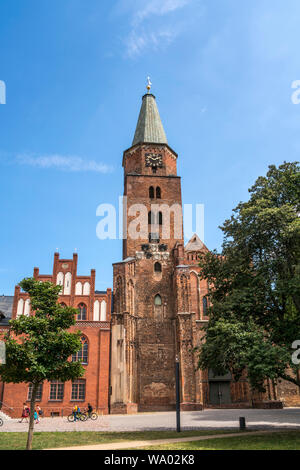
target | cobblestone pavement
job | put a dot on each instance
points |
(207, 419)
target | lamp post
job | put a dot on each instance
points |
(177, 383)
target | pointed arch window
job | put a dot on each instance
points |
(204, 302)
(86, 288)
(160, 218)
(78, 288)
(151, 192)
(27, 308)
(67, 284)
(83, 354)
(151, 218)
(60, 279)
(158, 193)
(81, 312)
(103, 311)
(157, 300)
(96, 310)
(20, 307)
(155, 218)
(157, 267)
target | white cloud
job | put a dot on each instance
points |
(158, 7)
(137, 42)
(148, 34)
(64, 163)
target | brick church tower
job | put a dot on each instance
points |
(160, 302)
(146, 331)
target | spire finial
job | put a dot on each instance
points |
(149, 84)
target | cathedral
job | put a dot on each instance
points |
(132, 336)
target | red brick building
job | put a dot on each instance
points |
(160, 303)
(93, 320)
(159, 306)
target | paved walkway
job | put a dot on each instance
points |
(157, 442)
(288, 418)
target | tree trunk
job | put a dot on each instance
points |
(31, 417)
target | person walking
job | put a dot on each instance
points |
(40, 411)
(36, 416)
(25, 413)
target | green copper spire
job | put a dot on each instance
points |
(149, 127)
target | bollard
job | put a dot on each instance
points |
(242, 424)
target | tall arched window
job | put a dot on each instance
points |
(81, 312)
(157, 300)
(86, 288)
(158, 193)
(68, 283)
(60, 281)
(151, 192)
(204, 302)
(195, 292)
(103, 311)
(96, 310)
(151, 218)
(78, 288)
(160, 218)
(27, 308)
(83, 353)
(157, 267)
(20, 307)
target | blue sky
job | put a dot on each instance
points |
(75, 72)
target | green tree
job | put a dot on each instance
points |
(39, 346)
(254, 285)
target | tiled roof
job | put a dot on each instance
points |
(149, 127)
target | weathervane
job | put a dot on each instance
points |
(149, 84)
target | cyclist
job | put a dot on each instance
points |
(90, 409)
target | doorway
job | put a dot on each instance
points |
(219, 393)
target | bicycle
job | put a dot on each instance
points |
(81, 417)
(1, 422)
(93, 415)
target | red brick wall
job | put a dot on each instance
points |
(98, 336)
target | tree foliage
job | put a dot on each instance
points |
(254, 285)
(39, 346)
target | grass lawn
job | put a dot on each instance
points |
(289, 440)
(47, 440)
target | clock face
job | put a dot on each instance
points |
(154, 160)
